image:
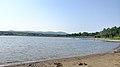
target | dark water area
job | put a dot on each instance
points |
(25, 48)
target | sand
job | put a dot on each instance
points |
(111, 59)
(103, 39)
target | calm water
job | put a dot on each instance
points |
(23, 48)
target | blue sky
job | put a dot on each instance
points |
(59, 15)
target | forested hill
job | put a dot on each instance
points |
(31, 33)
(113, 32)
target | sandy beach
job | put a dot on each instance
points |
(110, 59)
(103, 39)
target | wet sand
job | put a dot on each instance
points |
(103, 39)
(111, 59)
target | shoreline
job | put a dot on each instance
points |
(104, 39)
(32, 62)
(109, 59)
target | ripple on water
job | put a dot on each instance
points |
(21, 48)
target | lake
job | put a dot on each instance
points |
(26, 48)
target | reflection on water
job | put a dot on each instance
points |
(23, 48)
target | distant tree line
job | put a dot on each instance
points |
(113, 32)
(15, 33)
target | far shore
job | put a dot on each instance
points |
(109, 59)
(104, 39)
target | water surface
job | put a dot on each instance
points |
(24, 48)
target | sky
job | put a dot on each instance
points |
(59, 15)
